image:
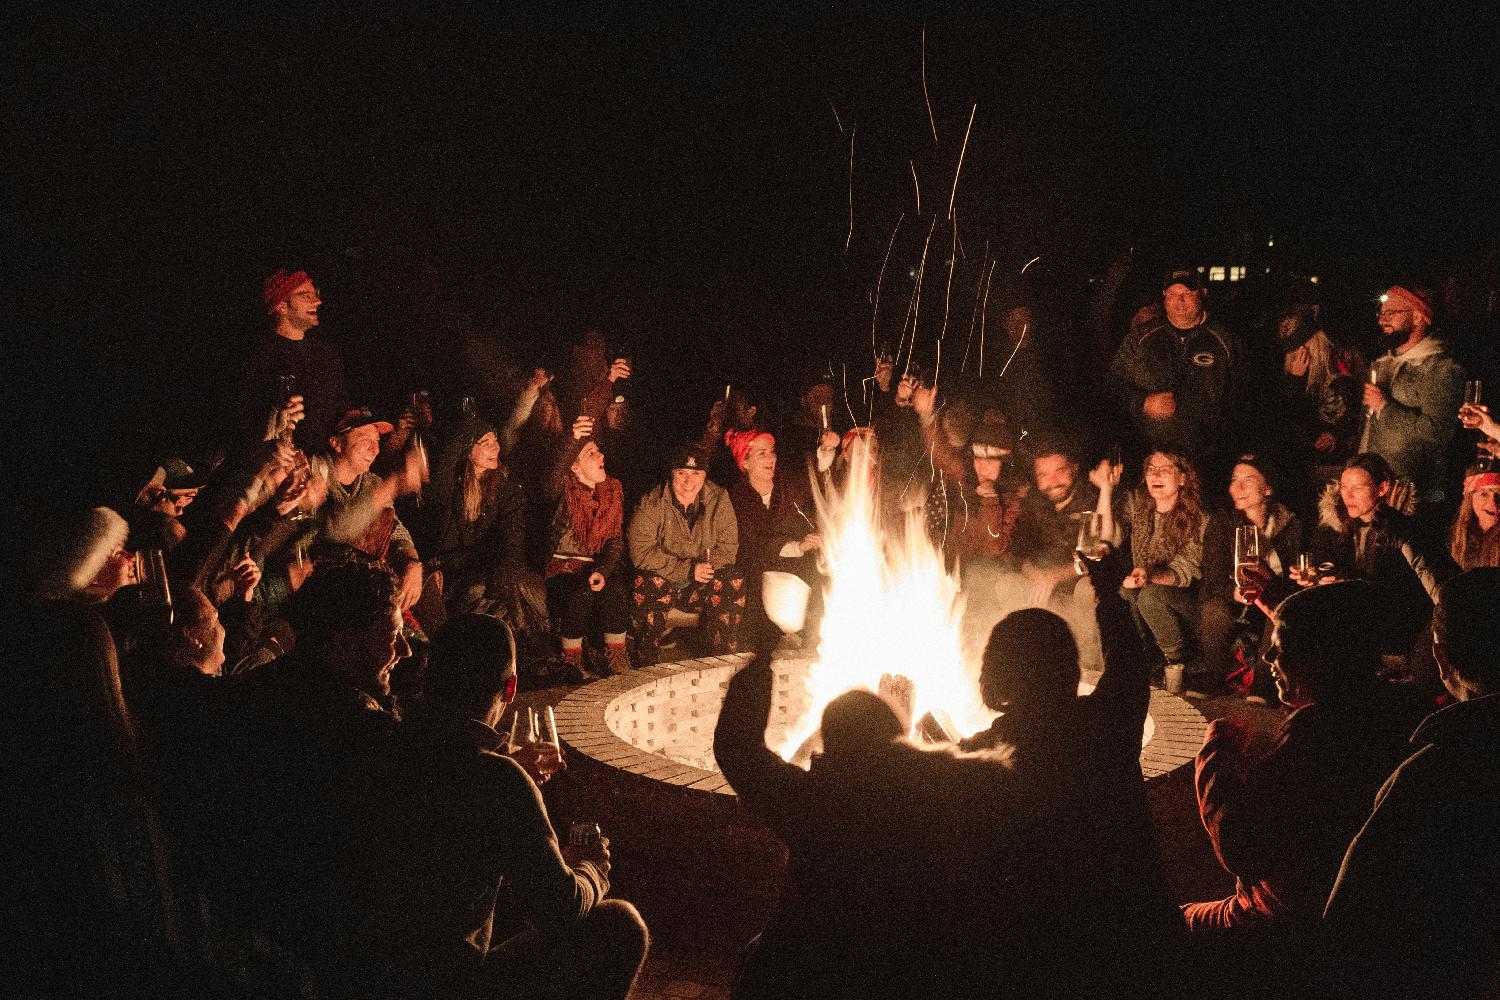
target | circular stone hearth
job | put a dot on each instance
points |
(658, 722)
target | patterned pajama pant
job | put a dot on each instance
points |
(720, 604)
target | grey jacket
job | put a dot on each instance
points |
(1423, 389)
(662, 542)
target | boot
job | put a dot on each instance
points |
(571, 670)
(616, 658)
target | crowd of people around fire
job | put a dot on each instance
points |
(261, 695)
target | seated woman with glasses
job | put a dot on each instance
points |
(1165, 519)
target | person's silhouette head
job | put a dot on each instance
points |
(857, 721)
(1031, 658)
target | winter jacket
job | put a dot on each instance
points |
(1423, 388)
(1204, 367)
(666, 540)
(468, 552)
(1406, 574)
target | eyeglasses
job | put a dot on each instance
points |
(1160, 470)
(1388, 313)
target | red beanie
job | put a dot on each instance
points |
(280, 286)
(739, 443)
(1418, 301)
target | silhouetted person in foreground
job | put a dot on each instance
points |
(889, 893)
(1076, 844)
(1415, 911)
(467, 833)
(1280, 823)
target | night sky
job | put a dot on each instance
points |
(484, 187)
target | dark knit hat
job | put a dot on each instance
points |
(1259, 463)
(689, 456)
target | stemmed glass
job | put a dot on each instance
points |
(1246, 562)
(1091, 541)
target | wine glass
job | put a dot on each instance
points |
(1091, 541)
(1246, 562)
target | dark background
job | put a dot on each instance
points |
(471, 190)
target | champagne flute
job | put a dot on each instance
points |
(1246, 560)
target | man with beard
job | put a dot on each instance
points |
(290, 372)
(1411, 402)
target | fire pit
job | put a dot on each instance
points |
(658, 723)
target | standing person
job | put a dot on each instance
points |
(1413, 912)
(1181, 375)
(1319, 392)
(1475, 537)
(587, 580)
(1252, 492)
(1165, 518)
(684, 540)
(288, 363)
(1412, 403)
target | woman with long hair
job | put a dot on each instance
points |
(1319, 391)
(1222, 607)
(1475, 537)
(1165, 518)
(478, 540)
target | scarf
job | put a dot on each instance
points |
(594, 515)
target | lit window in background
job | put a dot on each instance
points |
(1237, 273)
(1216, 274)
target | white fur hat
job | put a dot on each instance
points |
(68, 560)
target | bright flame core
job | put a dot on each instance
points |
(890, 607)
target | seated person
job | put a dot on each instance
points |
(1413, 912)
(468, 850)
(360, 509)
(683, 541)
(1280, 822)
(1164, 516)
(774, 515)
(1474, 539)
(586, 579)
(1361, 537)
(1051, 513)
(1078, 839)
(1220, 602)
(975, 515)
(928, 925)
(477, 555)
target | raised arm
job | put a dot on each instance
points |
(767, 784)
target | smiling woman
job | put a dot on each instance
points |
(1166, 522)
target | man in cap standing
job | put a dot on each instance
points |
(1411, 401)
(1181, 374)
(683, 540)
